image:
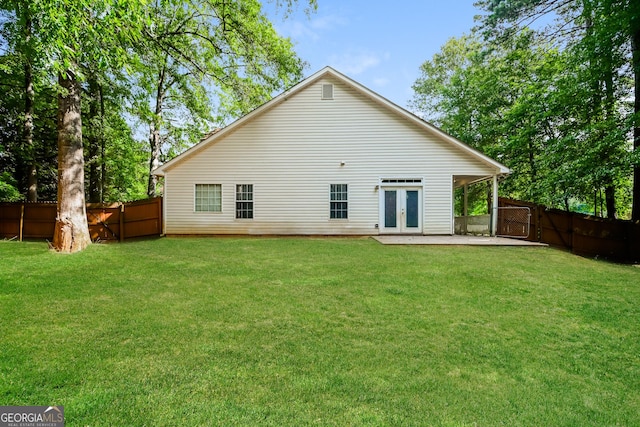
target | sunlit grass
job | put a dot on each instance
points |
(301, 331)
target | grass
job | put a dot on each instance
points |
(301, 331)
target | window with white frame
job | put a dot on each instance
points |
(208, 198)
(244, 201)
(339, 204)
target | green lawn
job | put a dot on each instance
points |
(301, 331)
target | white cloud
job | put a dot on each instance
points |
(381, 81)
(312, 28)
(297, 30)
(328, 22)
(357, 63)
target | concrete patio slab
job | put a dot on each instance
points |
(454, 240)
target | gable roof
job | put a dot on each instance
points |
(218, 133)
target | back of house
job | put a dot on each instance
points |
(327, 157)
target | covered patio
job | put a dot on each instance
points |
(485, 224)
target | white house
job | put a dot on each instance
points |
(326, 157)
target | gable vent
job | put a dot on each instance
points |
(327, 91)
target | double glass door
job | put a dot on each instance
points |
(402, 212)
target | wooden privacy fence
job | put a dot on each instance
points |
(584, 235)
(115, 222)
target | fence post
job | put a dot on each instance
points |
(538, 223)
(20, 232)
(122, 222)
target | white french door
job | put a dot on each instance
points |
(401, 210)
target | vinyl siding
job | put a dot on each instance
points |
(292, 152)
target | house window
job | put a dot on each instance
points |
(244, 201)
(339, 205)
(208, 198)
(402, 181)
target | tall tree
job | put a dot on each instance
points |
(83, 31)
(196, 48)
(633, 25)
(107, 131)
(609, 23)
(17, 158)
(71, 232)
(496, 100)
(18, 34)
(95, 139)
(32, 174)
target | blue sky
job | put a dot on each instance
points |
(379, 44)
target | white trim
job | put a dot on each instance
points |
(415, 182)
(164, 207)
(494, 213)
(197, 212)
(334, 201)
(235, 202)
(400, 189)
(452, 202)
(327, 92)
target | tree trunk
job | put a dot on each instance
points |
(610, 201)
(635, 47)
(103, 160)
(154, 136)
(154, 162)
(71, 232)
(609, 115)
(32, 169)
(94, 136)
(610, 187)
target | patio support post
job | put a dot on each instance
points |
(465, 208)
(494, 210)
